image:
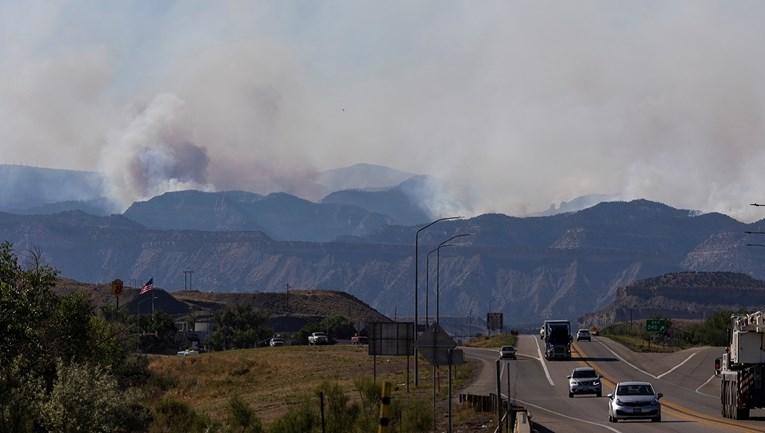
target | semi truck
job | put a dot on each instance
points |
(557, 338)
(742, 372)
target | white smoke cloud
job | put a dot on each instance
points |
(513, 105)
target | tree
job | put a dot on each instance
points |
(26, 301)
(238, 327)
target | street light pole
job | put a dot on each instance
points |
(437, 250)
(417, 289)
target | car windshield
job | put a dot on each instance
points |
(508, 348)
(579, 374)
(635, 389)
(584, 331)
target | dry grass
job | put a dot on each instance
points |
(271, 380)
(493, 341)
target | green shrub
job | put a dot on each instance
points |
(83, 398)
(301, 419)
(173, 416)
(242, 418)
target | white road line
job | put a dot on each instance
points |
(542, 361)
(643, 371)
(704, 384)
(627, 362)
(609, 428)
(677, 366)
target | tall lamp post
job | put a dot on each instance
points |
(417, 290)
(437, 250)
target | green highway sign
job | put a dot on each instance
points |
(657, 326)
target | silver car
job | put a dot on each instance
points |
(634, 400)
(584, 380)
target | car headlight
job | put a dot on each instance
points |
(619, 402)
(596, 383)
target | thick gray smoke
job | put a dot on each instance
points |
(513, 105)
(154, 154)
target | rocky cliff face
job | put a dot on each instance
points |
(684, 295)
(530, 268)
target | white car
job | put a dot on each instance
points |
(634, 400)
(583, 334)
(276, 341)
(188, 352)
(507, 352)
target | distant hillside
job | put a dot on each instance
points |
(23, 187)
(295, 302)
(400, 202)
(562, 266)
(306, 303)
(682, 295)
(281, 216)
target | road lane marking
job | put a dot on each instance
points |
(704, 384)
(573, 418)
(625, 361)
(542, 361)
(677, 366)
(674, 406)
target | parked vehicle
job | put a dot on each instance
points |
(584, 380)
(634, 400)
(583, 335)
(743, 367)
(277, 341)
(557, 337)
(188, 352)
(318, 338)
(359, 339)
(507, 352)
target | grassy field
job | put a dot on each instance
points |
(493, 341)
(271, 380)
(640, 344)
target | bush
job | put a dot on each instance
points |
(173, 416)
(242, 418)
(83, 399)
(301, 419)
(21, 399)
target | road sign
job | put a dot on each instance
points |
(657, 326)
(435, 345)
(391, 338)
(117, 287)
(494, 321)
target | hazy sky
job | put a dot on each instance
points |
(515, 105)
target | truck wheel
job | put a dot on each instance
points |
(742, 413)
(570, 395)
(599, 394)
(656, 419)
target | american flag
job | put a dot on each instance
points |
(148, 287)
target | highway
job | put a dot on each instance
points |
(690, 405)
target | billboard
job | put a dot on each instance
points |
(391, 338)
(494, 321)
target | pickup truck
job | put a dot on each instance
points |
(317, 338)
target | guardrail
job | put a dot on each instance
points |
(515, 419)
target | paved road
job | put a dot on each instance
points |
(542, 387)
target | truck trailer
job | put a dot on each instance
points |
(743, 366)
(557, 337)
